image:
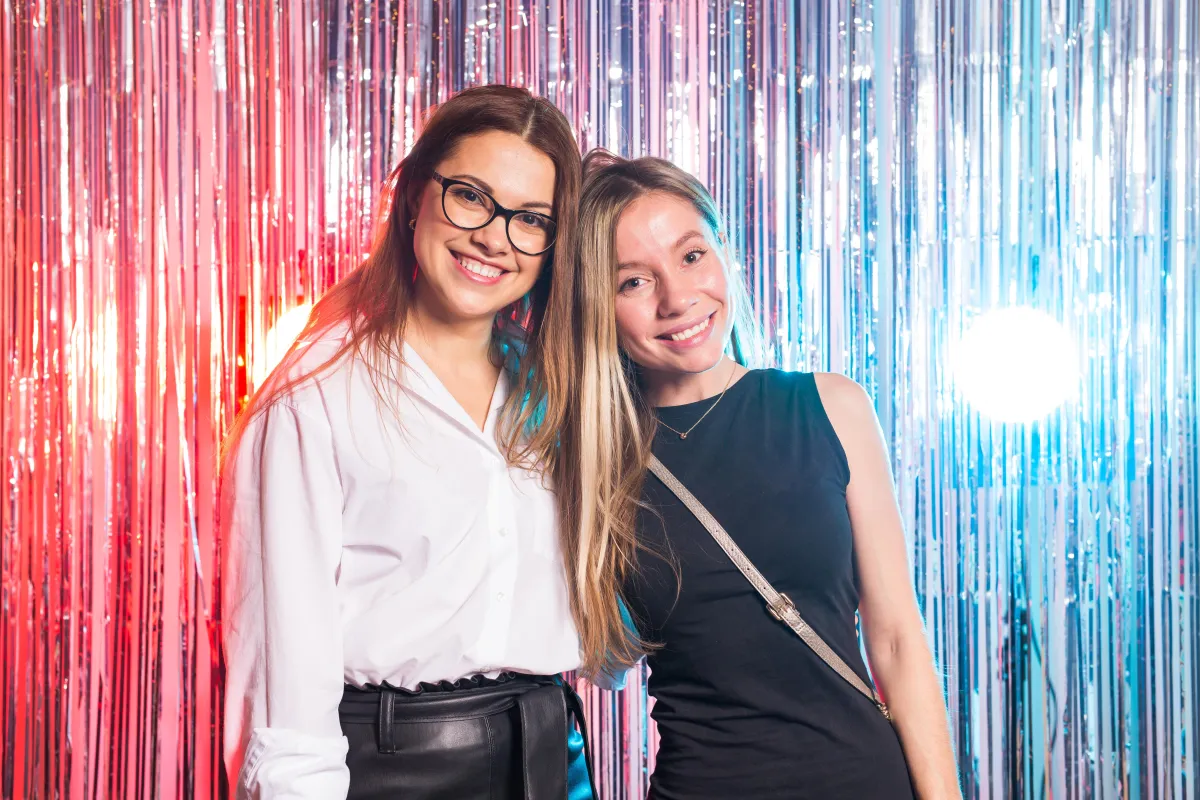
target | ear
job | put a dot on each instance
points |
(414, 198)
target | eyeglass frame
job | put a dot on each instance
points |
(497, 211)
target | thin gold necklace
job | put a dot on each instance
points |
(684, 434)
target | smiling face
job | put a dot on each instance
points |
(470, 275)
(672, 302)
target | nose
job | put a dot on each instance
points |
(677, 295)
(493, 237)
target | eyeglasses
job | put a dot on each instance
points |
(471, 208)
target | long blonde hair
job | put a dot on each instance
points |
(615, 421)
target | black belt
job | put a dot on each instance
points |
(452, 739)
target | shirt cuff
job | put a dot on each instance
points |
(284, 764)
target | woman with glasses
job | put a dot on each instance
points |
(397, 610)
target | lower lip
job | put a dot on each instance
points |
(476, 277)
(695, 341)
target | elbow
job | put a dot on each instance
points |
(894, 650)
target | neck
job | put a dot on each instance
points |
(453, 343)
(677, 388)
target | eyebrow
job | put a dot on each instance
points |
(482, 184)
(678, 243)
(689, 235)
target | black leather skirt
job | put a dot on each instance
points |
(475, 739)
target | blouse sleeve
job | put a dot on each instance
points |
(282, 505)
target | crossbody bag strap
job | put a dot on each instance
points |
(780, 605)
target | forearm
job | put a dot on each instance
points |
(913, 694)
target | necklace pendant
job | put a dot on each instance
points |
(683, 436)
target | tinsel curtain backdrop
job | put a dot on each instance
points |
(177, 175)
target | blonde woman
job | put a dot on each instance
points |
(396, 607)
(793, 466)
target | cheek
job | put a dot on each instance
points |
(431, 232)
(715, 284)
(428, 237)
(632, 322)
(531, 268)
(421, 237)
(421, 250)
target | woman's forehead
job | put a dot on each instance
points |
(506, 166)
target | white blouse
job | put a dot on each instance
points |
(362, 547)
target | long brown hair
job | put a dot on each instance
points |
(616, 425)
(374, 301)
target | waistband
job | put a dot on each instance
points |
(445, 701)
(462, 684)
(544, 703)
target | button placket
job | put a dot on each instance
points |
(501, 568)
(509, 546)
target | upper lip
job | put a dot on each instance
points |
(483, 261)
(685, 326)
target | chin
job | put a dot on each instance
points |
(473, 302)
(692, 363)
(703, 363)
(473, 311)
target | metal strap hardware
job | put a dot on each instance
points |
(779, 605)
(780, 610)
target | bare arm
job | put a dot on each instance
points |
(895, 635)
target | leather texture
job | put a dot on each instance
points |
(543, 718)
(475, 740)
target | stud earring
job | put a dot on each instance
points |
(412, 224)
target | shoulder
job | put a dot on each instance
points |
(842, 395)
(850, 410)
(837, 393)
(823, 397)
(846, 403)
(324, 351)
(298, 393)
(303, 379)
(775, 381)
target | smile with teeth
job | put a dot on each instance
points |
(692, 331)
(478, 267)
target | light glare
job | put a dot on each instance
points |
(1016, 365)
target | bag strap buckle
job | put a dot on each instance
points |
(781, 607)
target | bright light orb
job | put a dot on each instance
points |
(1016, 365)
(278, 339)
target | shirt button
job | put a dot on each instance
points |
(499, 595)
(504, 532)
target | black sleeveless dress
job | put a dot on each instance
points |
(744, 708)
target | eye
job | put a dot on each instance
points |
(693, 256)
(632, 284)
(467, 195)
(532, 221)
